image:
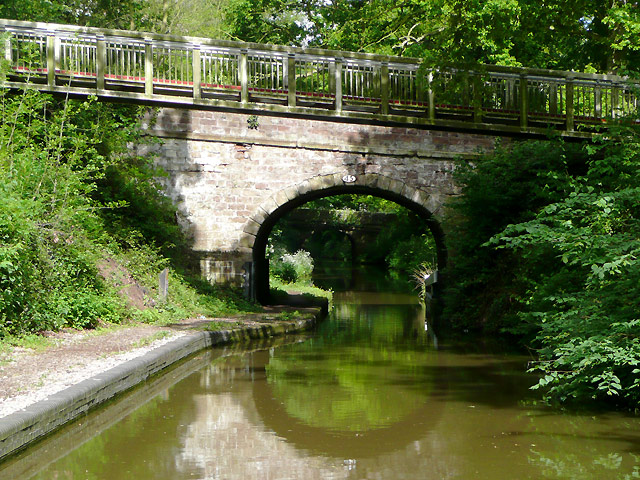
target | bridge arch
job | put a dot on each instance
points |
(258, 227)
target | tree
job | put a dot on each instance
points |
(200, 18)
(504, 187)
(585, 35)
(124, 14)
(586, 306)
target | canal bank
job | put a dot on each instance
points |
(36, 420)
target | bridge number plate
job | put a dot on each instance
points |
(349, 178)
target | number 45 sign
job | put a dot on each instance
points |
(349, 178)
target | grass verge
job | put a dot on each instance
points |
(280, 290)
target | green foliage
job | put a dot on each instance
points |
(77, 308)
(266, 21)
(53, 153)
(284, 271)
(356, 202)
(293, 267)
(499, 189)
(403, 245)
(406, 243)
(302, 264)
(280, 290)
(583, 35)
(550, 251)
(98, 13)
(188, 296)
(330, 244)
(71, 196)
(289, 271)
(202, 18)
(288, 316)
(408, 254)
(420, 276)
(30, 341)
(586, 306)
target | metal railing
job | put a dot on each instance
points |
(169, 69)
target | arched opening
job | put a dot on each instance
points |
(412, 199)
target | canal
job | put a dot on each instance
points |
(370, 395)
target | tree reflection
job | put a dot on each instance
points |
(359, 374)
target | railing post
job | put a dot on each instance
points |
(244, 76)
(101, 61)
(285, 73)
(332, 78)
(148, 67)
(52, 57)
(431, 97)
(421, 91)
(524, 101)
(512, 94)
(384, 88)
(615, 101)
(197, 72)
(553, 98)
(338, 84)
(7, 49)
(291, 82)
(597, 101)
(477, 98)
(570, 121)
(465, 88)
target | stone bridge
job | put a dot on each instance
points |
(249, 131)
(233, 177)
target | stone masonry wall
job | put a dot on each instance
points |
(226, 177)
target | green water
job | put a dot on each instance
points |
(367, 396)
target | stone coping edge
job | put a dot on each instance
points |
(24, 427)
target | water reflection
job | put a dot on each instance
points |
(367, 397)
(360, 381)
(223, 442)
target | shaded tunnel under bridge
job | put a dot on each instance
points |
(359, 228)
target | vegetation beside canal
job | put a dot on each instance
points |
(546, 247)
(402, 246)
(280, 289)
(84, 229)
(290, 274)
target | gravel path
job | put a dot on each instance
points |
(28, 376)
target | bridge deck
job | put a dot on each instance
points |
(203, 73)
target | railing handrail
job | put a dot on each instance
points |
(193, 42)
(199, 41)
(169, 69)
